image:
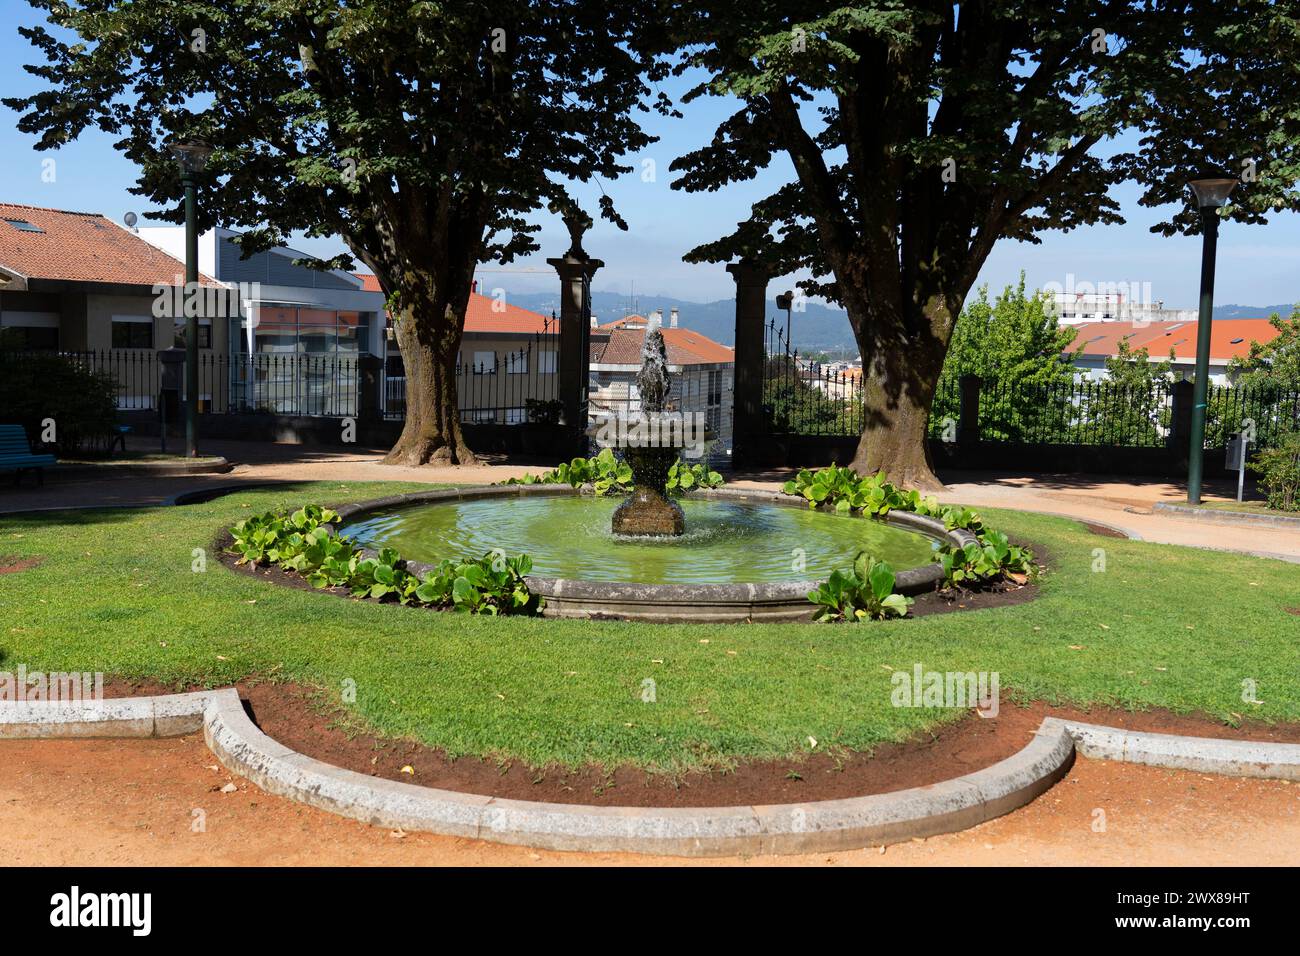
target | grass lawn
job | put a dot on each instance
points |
(1160, 626)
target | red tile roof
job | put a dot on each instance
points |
(684, 346)
(1229, 338)
(82, 247)
(485, 314)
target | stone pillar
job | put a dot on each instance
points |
(749, 423)
(370, 387)
(1180, 426)
(575, 269)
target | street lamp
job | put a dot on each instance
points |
(785, 300)
(1211, 195)
(191, 156)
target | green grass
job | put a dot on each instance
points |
(1161, 626)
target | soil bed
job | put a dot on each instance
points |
(12, 563)
(298, 718)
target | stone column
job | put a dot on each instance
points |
(749, 422)
(575, 269)
(370, 388)
(968, 426)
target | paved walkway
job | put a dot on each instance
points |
(1122, 503)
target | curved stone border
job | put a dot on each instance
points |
(665, 603)
(711, 831)
(1225, 516)
(141, 469)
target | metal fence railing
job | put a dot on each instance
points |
(805, 396)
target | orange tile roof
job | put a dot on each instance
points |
(1229, 338)
(481, 316)
(82, 247)
(684, 346)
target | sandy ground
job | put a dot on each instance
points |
(1124, 503)
(159, 802)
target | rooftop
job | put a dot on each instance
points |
(1229, 338)
(57, 244)
(486, 314)
(685, 346)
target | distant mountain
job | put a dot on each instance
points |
(817, 327)
(1251, 311)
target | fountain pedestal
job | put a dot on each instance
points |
(647, 510)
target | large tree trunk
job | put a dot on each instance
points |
(428, 334)
(901, 364)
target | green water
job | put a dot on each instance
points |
(725, 542)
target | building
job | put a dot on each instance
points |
(701, 373)
(507, 369)
(1077, 306)
(76, 282)
(1229, 339)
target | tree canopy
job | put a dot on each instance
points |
(921, 134)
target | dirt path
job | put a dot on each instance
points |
(119, 802)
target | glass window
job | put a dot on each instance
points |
(485, 362)
(349, 331)
(517, 363)
(277, 330)
(546, 362)
(316, 330)
(132, 333)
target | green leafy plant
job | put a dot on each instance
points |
(985, 560)
(1280, 472)
(493, 584)
(683, 477)
(863, 592)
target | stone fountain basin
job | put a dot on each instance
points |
(675, 603)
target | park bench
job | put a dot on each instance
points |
(16, 454)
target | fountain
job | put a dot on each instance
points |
(647, 510)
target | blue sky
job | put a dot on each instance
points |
(1258, 264)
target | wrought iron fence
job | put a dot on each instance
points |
(512, 387)
(280, 383)
(804, 396)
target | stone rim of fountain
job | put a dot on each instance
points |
(674, 603)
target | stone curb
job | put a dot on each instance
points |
(817, 826)
(1217, 516)
(141, 469)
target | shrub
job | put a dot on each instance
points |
(300, 542)
(1280, 472)
(683, 476)
(82, 403)
(606, 473)
(865, 591)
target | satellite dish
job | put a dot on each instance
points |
(130, 219)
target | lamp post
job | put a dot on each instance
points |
(785, 300)
(1211, 195)
(191, 156)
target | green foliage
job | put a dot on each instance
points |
(984, 561)
(866, 591)
(1014, 340)
(35, 386)
(684, 476)
(980, 562)
(1274, 364)
(608, 474)
(1280, 468)
(494, 584)
(301, 542)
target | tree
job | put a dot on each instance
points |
(1018, 348)
(1266, 392)
(920, 134)
(1274, 364)
(422, 134)
(1131, 406)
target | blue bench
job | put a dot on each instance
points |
(16, 454)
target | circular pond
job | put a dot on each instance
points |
(726, 540)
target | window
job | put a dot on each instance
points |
(205, 333)
(517, 363)
(22, 225)
(546, 362)
(34, 337)
(516, 416)
(132, 332)
(485, 363)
